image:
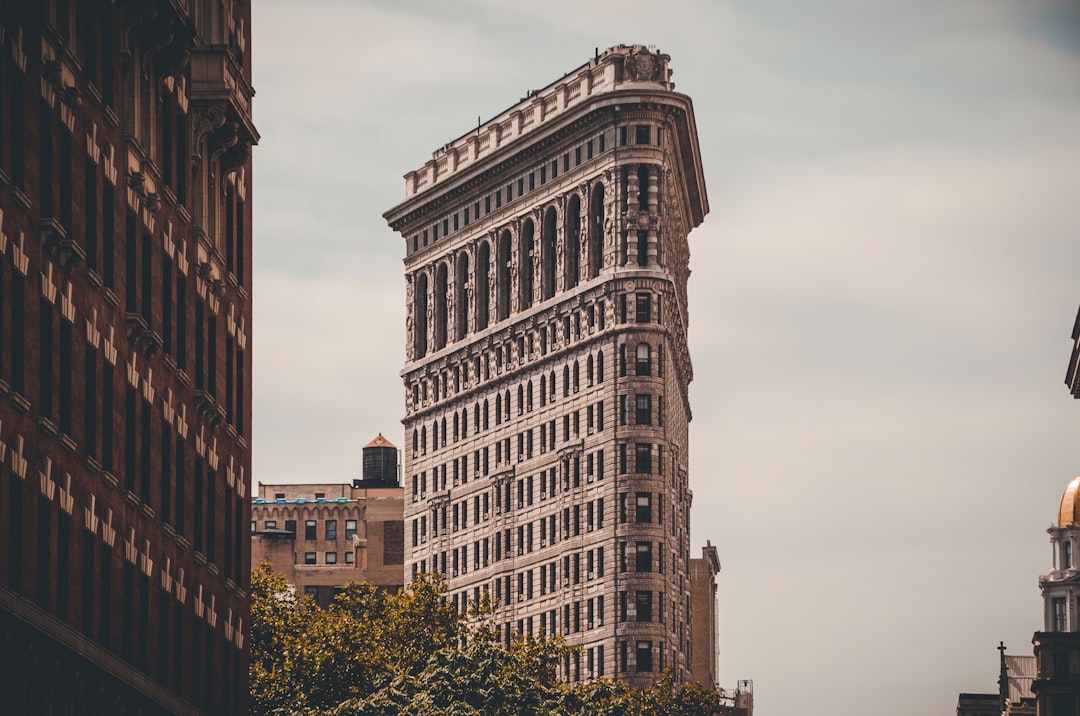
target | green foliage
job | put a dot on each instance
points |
(378, 654)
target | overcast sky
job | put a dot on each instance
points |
(881, 298)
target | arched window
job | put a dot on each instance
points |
(464, 423)
(589, 370)
(415, 442)
(480, 291)
(502, 277)
(486, 408)
(440, 306)
(506, 406)
(521, 399)
(551, 385)
(566, 380)
(643, 363)
(423, 440)
(442, 432)
(547, 253)
(600, 367)
(420, 310)
(528, 397)
(577, 376)
(622, 360)
(543, 391)
(572, 239)
(476, 417)
(596, 230)
(461, 297)
(498, 411)
(457, 427)
(525, 265)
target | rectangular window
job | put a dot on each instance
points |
(45, 362)
(350, 558)
(1058, 607)
(643, 554)
(331, 530)
(643, 605)
(331, 557)
(310, 530)
(350, 528)
(643, 308)
(643, 513)
(309, 558)
(643, 409)
(644, 656)
(643, 458)
(642, 132)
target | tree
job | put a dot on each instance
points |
(378, 654)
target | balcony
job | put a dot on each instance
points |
(216, 79)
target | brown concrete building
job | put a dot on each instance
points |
(125, 361)
(322, 536)
(547, 364)
(703, 571)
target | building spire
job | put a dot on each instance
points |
(1003, 679)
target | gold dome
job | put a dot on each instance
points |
(1069, 512)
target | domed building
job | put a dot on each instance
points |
(1061, 588)
(1057, 647)
(1047, 683)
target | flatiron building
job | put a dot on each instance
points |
(546, 373)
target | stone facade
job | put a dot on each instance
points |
(125, 360)
(547, 364)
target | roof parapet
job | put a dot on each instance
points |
(619, 67)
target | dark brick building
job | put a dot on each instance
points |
(125, 361)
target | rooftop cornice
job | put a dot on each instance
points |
(622, 66)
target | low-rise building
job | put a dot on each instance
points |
(323, 535)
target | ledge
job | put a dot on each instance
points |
(20, 197)
(47, 425)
